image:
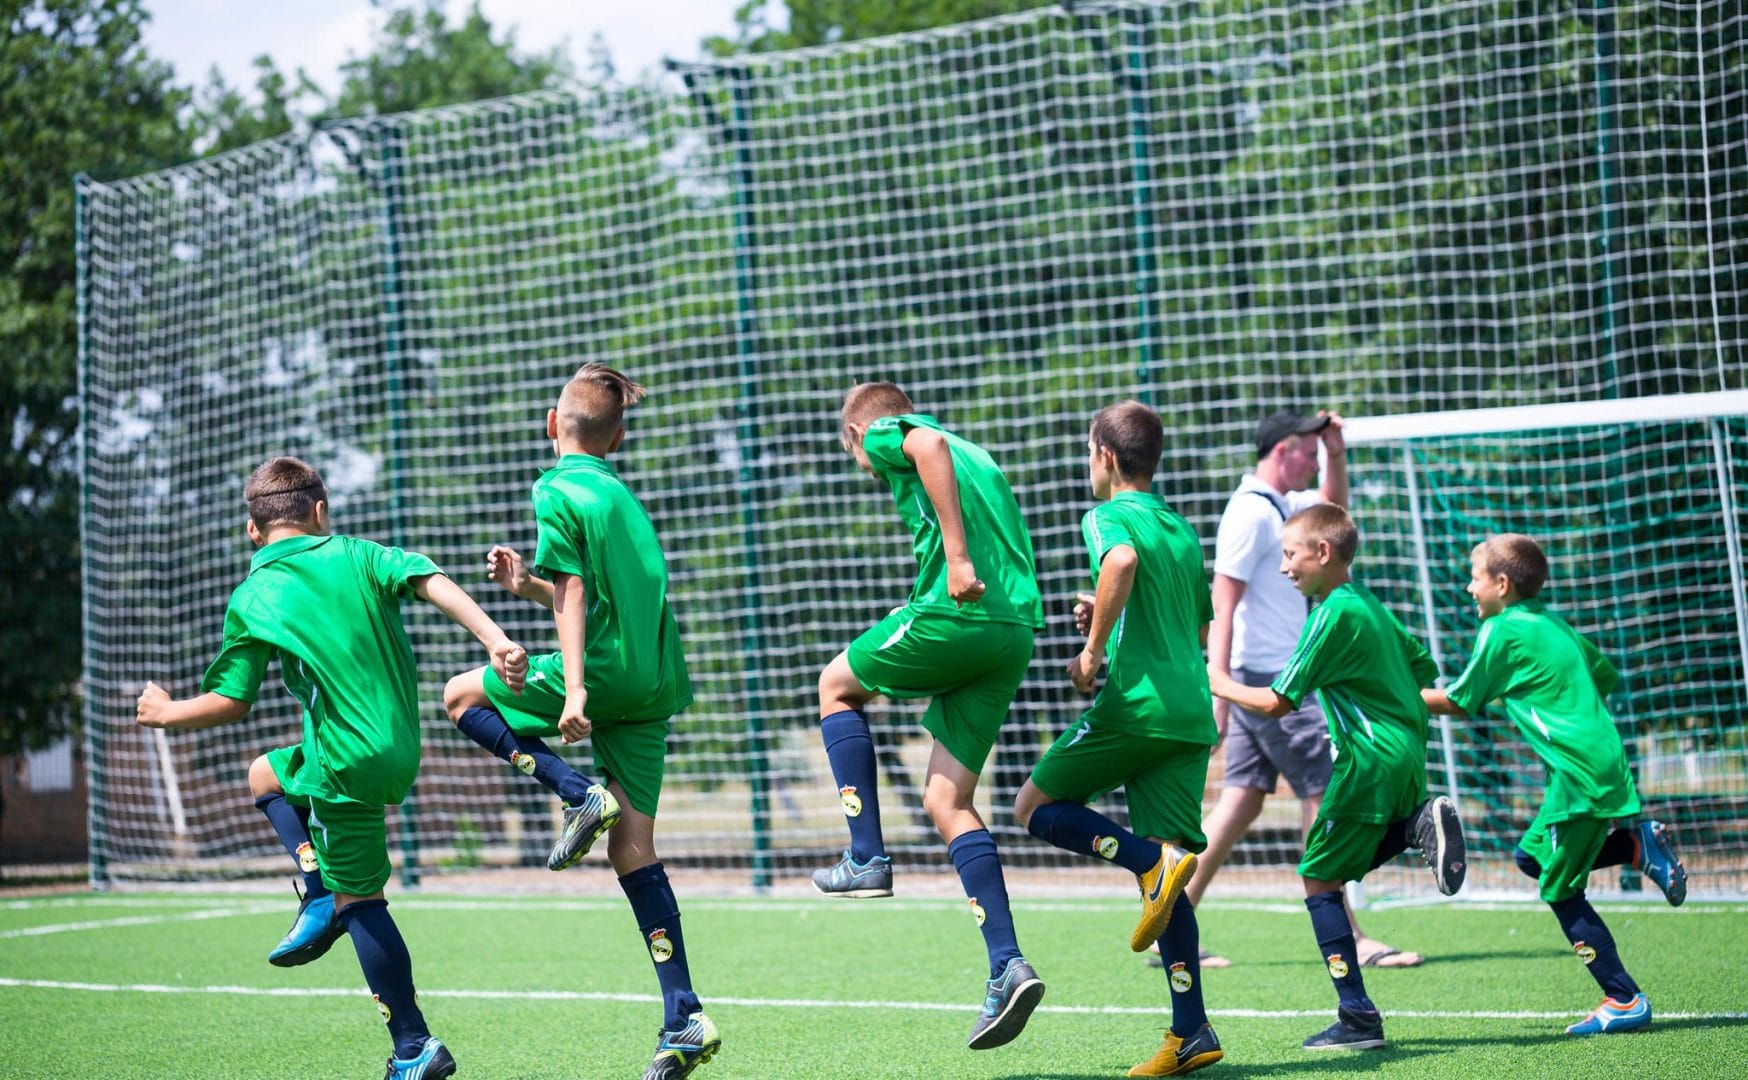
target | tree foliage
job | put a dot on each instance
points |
(822, 22)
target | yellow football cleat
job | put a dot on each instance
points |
(1179, 1056)
(1160, 888)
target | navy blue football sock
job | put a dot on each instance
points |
(1341, 956)
(1393, 843)
(979, 867)
(1181, 949)
(1527, 863)
(851, 751)
(292, 823)
(658, 917)
(1595, 946)
(1084, 831)
(388, 970)
(1620, 849)
(486, 727)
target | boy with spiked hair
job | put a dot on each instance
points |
(1151, 727)
(964, 639)
(618, 677)
(1367, 672)
(320, 602)
(1553, 680)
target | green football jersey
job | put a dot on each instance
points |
(1367, 672)
(995, 531)
(592, 527)
(1553, 681)
(1154, 655)
(329, 607)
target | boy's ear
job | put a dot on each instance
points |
(1325, 553)
(552, 423)
(618, 437)
(253, 531)
(320, 515)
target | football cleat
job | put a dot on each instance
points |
(1179, 1056)
(583, 825)
(1438, 833)
(312, 933)
(1160, 888)
(1007, 1005)
(851, 879)
(1612, 1017)
(1354, 1029)
(1656, 859)
(432, 1063)
(680, 1051)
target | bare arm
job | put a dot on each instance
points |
(504, 565)
(1116, 580)
(156, 709)
(1334, 486)
(508, 658)
(1258, 699)
(570, 604)
(928, 451)
(1439, 702)
(1227, 592)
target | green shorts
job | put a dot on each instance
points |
(351, 839)
(1567, 851)
(969, 668)
(1340, 850)
(633, 752)
(1163, 779)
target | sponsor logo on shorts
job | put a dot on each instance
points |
(852, 802)
(523, 762)
(1585, 952)
(1337, 966)
(661, 950)
(306, 857)
(976, 911)
(1180, 979)
(1106, 846)
(383, 1009)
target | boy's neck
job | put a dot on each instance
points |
(287, 530)
(1335, 580)
(566, 448)
(1139, 487)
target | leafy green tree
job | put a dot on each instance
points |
(822, 22)
(77, 93)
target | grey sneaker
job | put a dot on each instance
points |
(852, 879)
(679, 1052)
(1439, 836)
(583, 825)
(1007, 1006)
(1354, 1029)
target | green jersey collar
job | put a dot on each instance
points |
(1146, 497)
(279, 549)
(584, 463)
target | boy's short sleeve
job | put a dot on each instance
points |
(1103, 530)
(1602, 672)
(883, 442)
(1308, 668)
(1484, 678)
(1420, 662)
(241, 664)
(393, 569)
(559, 547)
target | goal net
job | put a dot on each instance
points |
(1219, 208)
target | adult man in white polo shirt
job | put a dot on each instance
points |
(1257, 618)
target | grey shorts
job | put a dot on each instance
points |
(1261, 749)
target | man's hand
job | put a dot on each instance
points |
(504, 565)
(962, 582)
(573, 726)
(153, 707)
(1222, 720)
(510, 661)
(1333, 440)
(1083, 612)
(1083, 670)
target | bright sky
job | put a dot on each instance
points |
(317, 35)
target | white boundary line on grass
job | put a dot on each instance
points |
(135, 920)
(797, 1003)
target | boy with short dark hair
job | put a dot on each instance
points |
(319, 602)
(1367, 672)
(618, 677)
(963, 639)
(1553, 680)
(1150, 730)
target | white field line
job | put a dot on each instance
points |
(796, 1003)
(137, 920)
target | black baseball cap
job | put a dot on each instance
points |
(1283, 424)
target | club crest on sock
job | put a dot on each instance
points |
(976, 911)
(1337, 966)
(852, 802)
(306, 857)
(523, 762)
(1106, 846)
(382, 1008)
(1180, 979)
(1585, 952)
(661, 949)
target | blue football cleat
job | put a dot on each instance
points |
(849, 878)
(433, 1062)
(1614, 1016)
(1656, 860)
(313, 932)
(1008, 1002)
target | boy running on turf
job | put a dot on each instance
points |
(618, 676)
(1367, 672)
(964, 639)
(329, 608)
(1553, 680)
(1151, 727)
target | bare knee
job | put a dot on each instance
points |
(463, 692)
(1027, 802)
(839, 688)
(630, 847)
(262, 779)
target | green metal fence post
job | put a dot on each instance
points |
(95, 744)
